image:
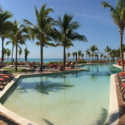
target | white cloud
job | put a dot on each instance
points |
(97, 18)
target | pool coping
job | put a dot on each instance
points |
(14, 116)
(113, 108)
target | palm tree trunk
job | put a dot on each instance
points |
(2, 51)
(41, 67)
(121, 52)
(92, 56)
(12, 55)
(64, 55)
(26, 56)
(19, 58)
(16, 58)
(86, 57)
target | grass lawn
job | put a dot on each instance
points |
(12, 70)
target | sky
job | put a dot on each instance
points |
(96, 24)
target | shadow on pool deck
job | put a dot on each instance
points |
(111, 119)
(5, 120)
(102, 118)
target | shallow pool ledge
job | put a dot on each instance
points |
(117, 66)
(113, 110)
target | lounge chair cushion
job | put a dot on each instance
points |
(121, 74)
(122, 80)
(1, 79)
(123, 84)
(122, 77)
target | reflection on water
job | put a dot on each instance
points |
(46, 86)
(63, 99)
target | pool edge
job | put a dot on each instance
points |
(113, 108)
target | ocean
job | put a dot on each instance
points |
(44, 60)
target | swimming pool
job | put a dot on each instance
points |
(78, 98)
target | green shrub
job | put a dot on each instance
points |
(82, 61)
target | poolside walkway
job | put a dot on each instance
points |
(121, 104)
(5, 120)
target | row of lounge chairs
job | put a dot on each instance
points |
(61, 66)
(121, 79)
(4, 79)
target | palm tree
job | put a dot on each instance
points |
(13, 44)
(79, 53)
(117, 53)
(5, 27)
(107, 50)
(73, 54)
(90, 56)
(101, 55)
(8, 53)
(93, 48)
(96, 55)
(43, 31)
(21, 35)
(105, 56)
(118, 15)
(4, 52)
(68, 55)
(26, 51)
(87, 53)
(67, 31)
(82, 55)
(20, 53)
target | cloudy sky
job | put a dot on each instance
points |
(96, 23)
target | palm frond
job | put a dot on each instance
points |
(8, 42)
(76, 36)
(37, 43)
(51, 44)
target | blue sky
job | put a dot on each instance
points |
(96, 23)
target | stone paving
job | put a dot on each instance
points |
(5, 120)
(121, 104)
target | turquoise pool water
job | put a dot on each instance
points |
(78, 98)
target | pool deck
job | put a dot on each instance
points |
(121, 104)
(114, 108)
(11, 117)
(117, 105)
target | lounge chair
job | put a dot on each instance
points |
(7, 77)
(3, 81)
(123, 96)
(122, 87)
(56, 67)
(1, 86)
(68, 65)
(51, 66)
(62, 66)
(27, 63)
